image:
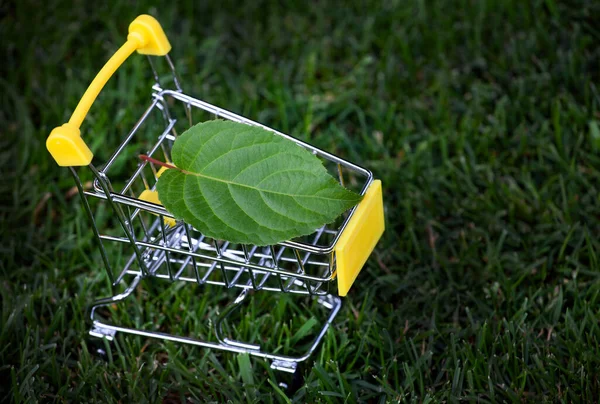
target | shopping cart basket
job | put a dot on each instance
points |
(318, 265)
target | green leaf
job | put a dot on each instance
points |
(247, 185)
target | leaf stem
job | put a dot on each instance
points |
(157, 162)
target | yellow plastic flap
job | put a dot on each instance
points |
(152, 196)
(359, 237)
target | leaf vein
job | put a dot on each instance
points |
(209, 139)
(217, 158)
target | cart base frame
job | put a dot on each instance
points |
(105, 330)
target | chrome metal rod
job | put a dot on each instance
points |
(333, 304)
(90, 215)
(120, 216)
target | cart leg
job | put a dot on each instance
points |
(98, 329)
(236, 304)
(296, 379)
(88, 210)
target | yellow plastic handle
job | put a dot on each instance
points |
(65, 143)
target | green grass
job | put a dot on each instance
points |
(481, 118)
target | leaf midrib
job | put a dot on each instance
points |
(208, 177)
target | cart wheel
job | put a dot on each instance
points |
(291, 375)
(297, 380)
(98, 348)
(100, 340)
(99, 351)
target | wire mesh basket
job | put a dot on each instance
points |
(320, 265)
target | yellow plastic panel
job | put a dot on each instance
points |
(359, 237)
(152, 196)
(149, 35)
(160, 171)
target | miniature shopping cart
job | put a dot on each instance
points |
(157, 246)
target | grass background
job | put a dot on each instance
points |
(482, 118)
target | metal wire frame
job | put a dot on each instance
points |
(216, 256)
(169, 253)
(178, 242)
(160, 97)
